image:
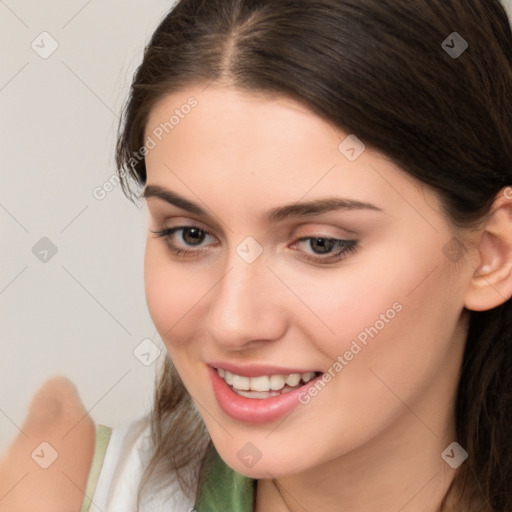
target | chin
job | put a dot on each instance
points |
(273, 467)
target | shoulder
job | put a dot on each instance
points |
(47, 466)
(128, 454)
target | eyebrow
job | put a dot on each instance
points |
(278, 214)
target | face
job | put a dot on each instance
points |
(289, 254)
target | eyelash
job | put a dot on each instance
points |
(348, 245)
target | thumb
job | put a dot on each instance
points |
(47, 465)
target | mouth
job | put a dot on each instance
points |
(257, 393)
(265, 386)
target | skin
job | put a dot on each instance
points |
(373, 437)
(56, 416)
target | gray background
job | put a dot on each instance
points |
(80, 312)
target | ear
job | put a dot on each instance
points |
(491, 283)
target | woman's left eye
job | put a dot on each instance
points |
(326, 250)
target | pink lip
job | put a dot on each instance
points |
(256, 410)
(255, 370)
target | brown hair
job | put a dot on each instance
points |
(375, 68)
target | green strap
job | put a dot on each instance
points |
(103, 434)
(222, 489)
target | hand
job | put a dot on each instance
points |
(56, 416)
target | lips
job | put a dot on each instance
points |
(268, 406)
(258, 370)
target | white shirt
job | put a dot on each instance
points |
(126, 457)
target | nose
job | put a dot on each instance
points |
(246, 307)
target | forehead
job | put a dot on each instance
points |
(223, 142)
(234, 112)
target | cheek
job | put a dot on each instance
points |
(172, 295)
(399, 314)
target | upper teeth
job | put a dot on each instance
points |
(264, 383)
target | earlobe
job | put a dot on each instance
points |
(491, 283)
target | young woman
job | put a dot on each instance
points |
(328, 262)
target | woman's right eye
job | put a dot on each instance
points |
(181, 239)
